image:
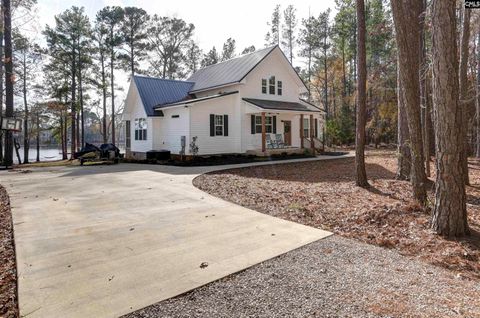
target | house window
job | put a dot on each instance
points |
(268, 124)
(306, 128)
(218, 125)
(140, 129)
(279, 87)
(264, 86)
(271, 85)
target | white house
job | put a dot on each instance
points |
(231, 107)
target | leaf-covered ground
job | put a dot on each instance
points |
(8, 279)
(323, 194)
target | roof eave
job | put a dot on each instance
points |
(214, 87)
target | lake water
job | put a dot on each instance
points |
(46, 154)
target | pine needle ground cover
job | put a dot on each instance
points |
(323, 194)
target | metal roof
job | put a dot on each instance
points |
(195, 100)
(228, 72)
(279, 105)
(157, 91)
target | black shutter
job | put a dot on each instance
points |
(274, 119)
(225, 125)
(212, 125)
(316, 128)
(253, 124)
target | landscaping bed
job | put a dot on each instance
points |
(221, 160)
(8, 270)
(323, 194)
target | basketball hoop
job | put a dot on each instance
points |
(11, 123)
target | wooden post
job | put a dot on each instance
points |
(301, 131)
(312, 134)
(263, 132)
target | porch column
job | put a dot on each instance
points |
(301, 131)
(264, 135)
(312, 133)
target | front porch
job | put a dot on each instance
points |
(284, 132)
(279, 127)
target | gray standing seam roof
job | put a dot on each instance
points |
(231, 71)
(157, 91)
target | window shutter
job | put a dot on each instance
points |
(225, 125)
(212, 125)
(316, 128)
(274, 119)
(252, 124)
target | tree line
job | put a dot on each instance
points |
(80, 62)
(82, 57)
(383, 72)
(437, 92)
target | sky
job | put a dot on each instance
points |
(214, 20)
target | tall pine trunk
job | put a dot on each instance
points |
(73, 108)
(404, 159)
(112, 59)
(361, 97)
(38, 135)
(406, 16)
(450, 214)
(104, 97)
(477, 100)
(26, 140)
(423, 89)
(7, 18)
(463, 87)
(80, 88)
(1, 82)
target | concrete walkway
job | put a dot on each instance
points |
(102, 241)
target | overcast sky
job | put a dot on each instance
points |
(214, 20)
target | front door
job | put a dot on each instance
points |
(287, 132)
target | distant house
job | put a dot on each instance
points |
(231, 107)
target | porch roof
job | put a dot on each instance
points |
(281, 105)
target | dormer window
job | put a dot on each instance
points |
(264, 86)
(271, 85)
(279, 88)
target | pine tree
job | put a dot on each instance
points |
(111, 18)
(228, 51)
(273, 35)
(288, 31)
(361, 97)
(450, 214)
(134, 32)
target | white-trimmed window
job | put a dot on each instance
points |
(264, 86)
(271, 85)
(306, 127)
(279, 87)
(268, 124)
(140, 129)
(218, 125)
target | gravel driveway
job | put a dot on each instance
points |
(333, 277)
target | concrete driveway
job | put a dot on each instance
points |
(102, 241)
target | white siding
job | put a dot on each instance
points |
(134, 109)
(200, 125)
(274, 64)
(194, 120)
(168, 130)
